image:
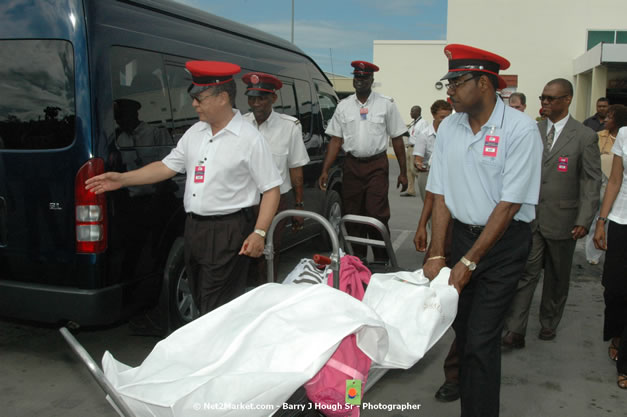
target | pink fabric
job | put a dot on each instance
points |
(353, 274)
(328, 387)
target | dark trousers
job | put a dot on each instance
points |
(615, 293)
(365, 192)
(216, 273)
(481, 311)
(451, 365)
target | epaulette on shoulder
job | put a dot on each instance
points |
(290, 118)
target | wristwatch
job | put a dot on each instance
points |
(299, 204)
(261, 232)
(469, 264)
(603, 219)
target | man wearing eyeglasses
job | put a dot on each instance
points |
(227, 162)
(569, 199)
(485, 175)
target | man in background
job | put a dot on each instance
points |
(596, 122)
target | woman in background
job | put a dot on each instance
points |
(616, 118)
(614, 212)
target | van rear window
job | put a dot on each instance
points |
(37, 110)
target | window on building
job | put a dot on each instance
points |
(595, 37)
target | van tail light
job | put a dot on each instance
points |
(91, 211)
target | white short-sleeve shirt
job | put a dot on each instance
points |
(618, 213)
(225, 172)
(285, 138)
(421, 126)
(425, 141)
(366, 127)
(502, 162)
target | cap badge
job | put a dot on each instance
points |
(254, 79)
(361, 65)
(448, 54)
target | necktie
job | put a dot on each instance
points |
(549, 138)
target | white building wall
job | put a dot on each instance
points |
(541, 39)
(408, 71)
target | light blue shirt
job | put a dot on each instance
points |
(475, 173)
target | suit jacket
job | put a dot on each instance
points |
(571, 181)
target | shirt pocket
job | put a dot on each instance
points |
(376, 124)
(280, 161)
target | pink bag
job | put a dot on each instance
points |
(327, 389)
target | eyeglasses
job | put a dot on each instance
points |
(198, 97)
(551, 99)
(454, 85)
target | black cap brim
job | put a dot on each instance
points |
(196, 89)
(454, 74)
(257, 93)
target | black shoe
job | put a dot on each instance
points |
(449, 391)
(513, 341)
(547, 334)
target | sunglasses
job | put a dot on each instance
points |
(551, 99)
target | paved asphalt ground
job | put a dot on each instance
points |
(570, 376)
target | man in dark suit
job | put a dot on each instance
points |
(569, 198)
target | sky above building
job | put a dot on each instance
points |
(336, 32)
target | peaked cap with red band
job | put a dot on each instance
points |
(463, 59)
(363, 68)
(206, 74)
(261, 84)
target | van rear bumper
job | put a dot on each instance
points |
(54, 304)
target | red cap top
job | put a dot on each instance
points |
(208, 73)
(260, 83)
(464, 59)
(364, 68)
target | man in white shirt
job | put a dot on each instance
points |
(227, 163)
(362, 125)
(415, 128)
(285, 138)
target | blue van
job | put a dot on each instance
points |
(90, 86)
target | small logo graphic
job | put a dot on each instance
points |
(254, 79)
(353, 391)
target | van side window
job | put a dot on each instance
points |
(183, 113)
(288, 100)
(303, 95)
(328, 102)
(141, 107)
(38, 108)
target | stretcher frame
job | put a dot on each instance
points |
(374, 375)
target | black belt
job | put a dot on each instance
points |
(367, 158)
(199, 217)
(472, 228)
(476, 229)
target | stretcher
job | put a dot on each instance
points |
(299, 397)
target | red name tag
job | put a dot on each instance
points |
(562, 164)
(199, 174)
(491, 146)
(363, 112)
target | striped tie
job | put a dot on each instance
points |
(549, 139)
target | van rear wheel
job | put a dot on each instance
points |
(182, 309)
